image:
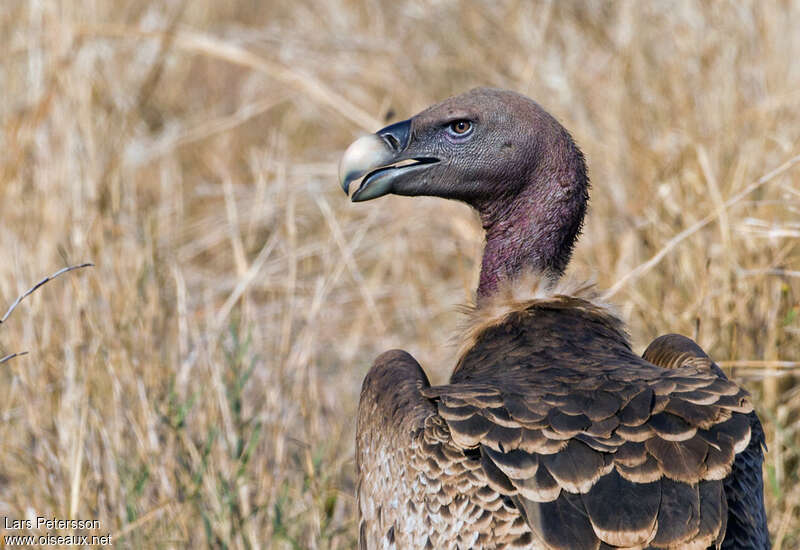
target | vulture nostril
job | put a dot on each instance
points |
(396, 135)
(392, 141)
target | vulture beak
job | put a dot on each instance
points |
(379, 161)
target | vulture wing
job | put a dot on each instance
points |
(553, 434)
(747, 520)
(416, 487)
(392, 415)
(595, 446)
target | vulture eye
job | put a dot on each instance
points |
(460, 128)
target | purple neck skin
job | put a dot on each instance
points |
(535, 230)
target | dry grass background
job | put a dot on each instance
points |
(198, 386)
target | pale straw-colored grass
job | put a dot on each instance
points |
(198, 386)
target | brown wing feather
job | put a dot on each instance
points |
(656, 482)
(550, 437)
(743, 519)
(579, 431)
(416, 487)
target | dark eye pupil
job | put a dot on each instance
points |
(460, 126)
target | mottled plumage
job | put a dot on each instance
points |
(552, 432)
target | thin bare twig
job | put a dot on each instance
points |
(641, 269)
(28, 293)
(10, 356)
(35, 287)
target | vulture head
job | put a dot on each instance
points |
(497, 151)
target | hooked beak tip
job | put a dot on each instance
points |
(364, 154)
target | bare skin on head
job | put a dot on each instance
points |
(499, 152)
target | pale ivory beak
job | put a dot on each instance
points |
(364, 155)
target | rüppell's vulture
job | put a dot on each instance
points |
(552, 432)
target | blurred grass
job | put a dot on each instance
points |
(198, 387)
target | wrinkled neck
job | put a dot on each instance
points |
(535, 230)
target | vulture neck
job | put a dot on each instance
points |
(535, 230)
